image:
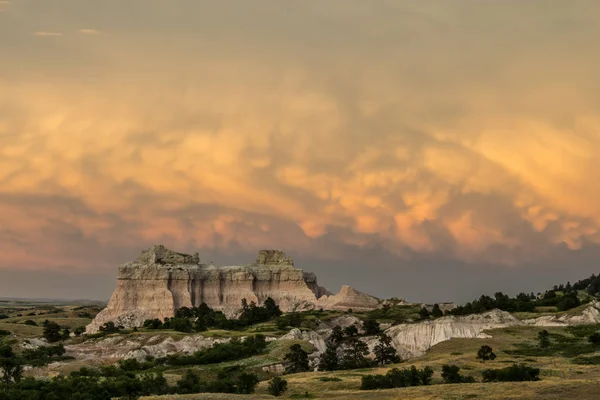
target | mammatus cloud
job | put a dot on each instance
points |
(418, 138)
(47, 34)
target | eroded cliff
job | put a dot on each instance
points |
(160, 281)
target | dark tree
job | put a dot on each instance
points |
(423, 313)
(272, 307)
(246, 383)
(79, 331)
(594, 338)
(371, 327)
(337, 335)
(52, 332)
(351, 331)
(544, 339)
(282, 323)
(277, 386)
(355, 355)
(485, 353)
(437, 312)
(451, 374)
(295, 319)
(329, 360)
(385, 352)
(110, 327)
(386, 308)
(11, 366)
(181, 325)
(297, 359)
(30, 322)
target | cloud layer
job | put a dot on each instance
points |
(466, 132)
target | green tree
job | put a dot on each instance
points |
(52, 332)
(371, 327)
(437, 312)
(355, 354)
(594, 338)
(246, 383)
(337, 335)
(544, 339)
(384, 352)
(423, 313)
(11, 366)
(351, 331)
(282, 323)
(272, 307)
(277, 386)
(329, 360)
(451, 374)
(297, 359)
(181, 325)
(485, 353)
(79, 331)
(295, 319)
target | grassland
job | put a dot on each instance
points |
(561, 377)
(569, 368)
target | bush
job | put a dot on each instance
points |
(4, 316)
(451, 374)
(220, 352)
(297, 359)
(485, 353)
(514, 373)
(396, 378)
(594, 338)
(544, 339)
(4, 332)
(329, 379)
(277, 386)
(30, 322)
(52, 332)
(371, 327)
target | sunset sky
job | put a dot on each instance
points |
(427, 150)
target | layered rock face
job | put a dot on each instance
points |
(415, 339)
(160, 281)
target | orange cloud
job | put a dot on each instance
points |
(301, 142)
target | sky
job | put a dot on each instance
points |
(431, 151)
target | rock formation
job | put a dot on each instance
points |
(160, 281)
(589, 316)
(415, 339)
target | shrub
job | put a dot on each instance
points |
(52, 332)
(4, 316)
(371, 327)
(297, 359)
(277, 386)
(396, 378)
(4, 332)
(544, 339)
(329, 379)
(30, 322)
(485, 353)
(451, 374)
(514, 373)
(594, 338)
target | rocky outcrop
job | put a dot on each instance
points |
(590, 315)
(415, 339)
(160, 281)
(312, 337)
(349, 298)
